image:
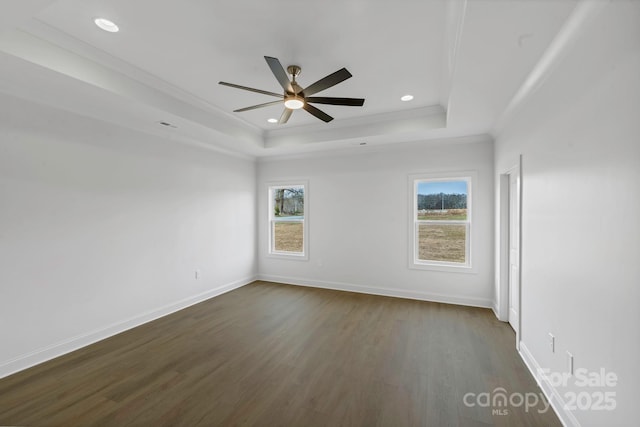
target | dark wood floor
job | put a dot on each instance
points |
(276, 355)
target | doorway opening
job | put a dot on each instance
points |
(510, 248)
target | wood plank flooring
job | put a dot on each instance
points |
(276, 355)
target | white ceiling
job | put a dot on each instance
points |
(462, 60)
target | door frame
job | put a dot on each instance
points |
(504, 230)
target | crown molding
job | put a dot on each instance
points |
(88, 81)
(394, 126)
(573, 28)
(44, 31)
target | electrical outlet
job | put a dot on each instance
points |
(197, 275)
(570, 362)
(552, 342)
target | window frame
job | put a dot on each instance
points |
(414, 262)
(271, 221)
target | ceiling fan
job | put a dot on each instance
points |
(296, 97)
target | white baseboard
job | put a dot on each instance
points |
(496, 312)
(553, 396)
(398, 293)
(50, 352)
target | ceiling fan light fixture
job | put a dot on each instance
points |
(406, 98)
(106, 25)
(294, 102)
(272, 120)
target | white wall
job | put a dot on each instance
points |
(357, 209)
(102, 228)
(579, 135)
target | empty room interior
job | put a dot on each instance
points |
(319, 213)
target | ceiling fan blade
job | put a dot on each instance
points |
(265, 92)
(253, 107)
(353, 102)
(278, 71)
(326, 82)
(318, 113)
(284, 118)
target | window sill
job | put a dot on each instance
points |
(465, 269)
(289, 256)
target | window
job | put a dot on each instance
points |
(287, 227)
(441, 222)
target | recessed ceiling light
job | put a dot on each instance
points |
(272, 120)
(407, 98)
(106, 25)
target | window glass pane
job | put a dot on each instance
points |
(288, 202)
(288, 236)
(442, 200)
(442, 242)
(287, 219)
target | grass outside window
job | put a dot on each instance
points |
(288, 237)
